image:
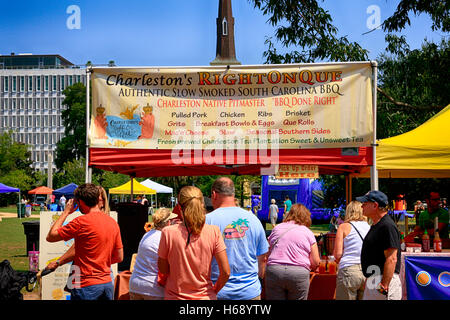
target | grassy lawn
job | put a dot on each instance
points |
(9, 209)
(13, 243)
(13, 246)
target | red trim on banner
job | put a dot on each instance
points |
(156, 163)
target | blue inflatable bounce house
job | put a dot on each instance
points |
(305, 191)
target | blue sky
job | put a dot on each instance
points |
(170, 32)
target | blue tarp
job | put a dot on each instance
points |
(4, 188)
(66, 190)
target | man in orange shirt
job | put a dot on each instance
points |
(98, 244)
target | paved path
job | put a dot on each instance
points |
(14, 215)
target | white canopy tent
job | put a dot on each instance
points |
(159, 188)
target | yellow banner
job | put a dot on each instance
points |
(242, 107)
(297, 172)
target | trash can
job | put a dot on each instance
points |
(21, 213)
(31, 230)
(131, 218)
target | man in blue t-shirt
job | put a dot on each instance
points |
(246, 243)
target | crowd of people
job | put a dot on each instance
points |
(223, 253)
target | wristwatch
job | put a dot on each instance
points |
(381, 289)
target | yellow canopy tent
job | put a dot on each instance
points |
(137, 189)
(423, 152)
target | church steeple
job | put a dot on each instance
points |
(225, 50)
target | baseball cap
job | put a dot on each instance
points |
(374, 196)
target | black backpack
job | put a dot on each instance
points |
(12, 282)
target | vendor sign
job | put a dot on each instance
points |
(297, 172)
(53, 285)
(427, 278)
(243, 107)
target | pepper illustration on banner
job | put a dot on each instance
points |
(147, 122)
(100, 123)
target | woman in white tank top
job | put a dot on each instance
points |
(347, 251)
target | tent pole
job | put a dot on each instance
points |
(20, 207)
(131, 189)
(88, 171)
(373, 169)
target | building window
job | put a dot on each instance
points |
(38, 83)
(14, 84)
(62, 83)
(22, 83)
(30, 83)
(6, 83)
(224, 27)
(54, 83)
(70, 80)
(46, 83)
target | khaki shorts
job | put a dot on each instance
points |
(394, 291)
(350, 283)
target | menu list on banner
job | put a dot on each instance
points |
(285, 107)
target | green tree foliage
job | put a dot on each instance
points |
(72, 171)
(15, 167)
(413, 86)
(306, 31)
(438, 10)
(73, 145)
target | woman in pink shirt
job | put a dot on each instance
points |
(186, 251)
(293, 254)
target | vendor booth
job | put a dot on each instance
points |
(67, 190)
(6, 189)
(231, 120)
(423, 152)
(132, 187)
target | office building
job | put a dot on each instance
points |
(31, 100)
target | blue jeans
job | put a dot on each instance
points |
(103, 291)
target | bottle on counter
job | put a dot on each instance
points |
(425, 242)
(331, 265)
(323, 263)
(402, 242)
(437, 243)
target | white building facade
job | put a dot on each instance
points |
(31, 103)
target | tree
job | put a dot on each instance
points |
(438, 10)
(73, 145)
(15, 166)
(306, 26)
(417, 78)
(72, 171)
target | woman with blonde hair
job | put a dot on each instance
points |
(347, 251)
(144, 279)
(186, 251)
(293, 254)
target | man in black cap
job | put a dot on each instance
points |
(380, 253)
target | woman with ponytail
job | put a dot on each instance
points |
(186, 251)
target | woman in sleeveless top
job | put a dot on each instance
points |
(347, 251)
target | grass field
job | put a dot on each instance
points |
(13, 243)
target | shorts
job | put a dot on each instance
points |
(394, 290)
(104, 291)
(273, 219)
(350, 283)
